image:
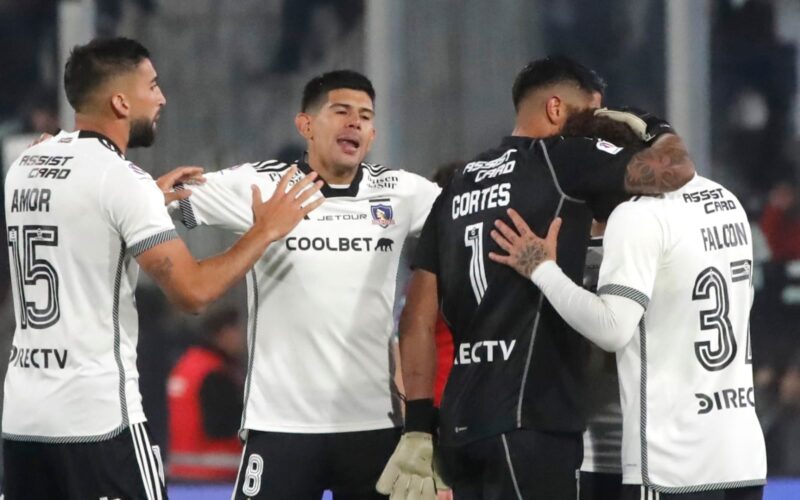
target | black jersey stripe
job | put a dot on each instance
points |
(271, 166)
(625, 291)
(253, 316)
(376, 169)
(148, 243)
(117, 351)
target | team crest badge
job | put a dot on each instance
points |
(382, 215)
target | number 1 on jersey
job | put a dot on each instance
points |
(473, 239)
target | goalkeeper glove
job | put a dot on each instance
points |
(647, 126)
(410, 473)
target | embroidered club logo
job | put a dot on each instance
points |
(382, 215)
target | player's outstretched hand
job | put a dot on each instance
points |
(286, 208)
(410, 473)
(180, 175)
(525, 250)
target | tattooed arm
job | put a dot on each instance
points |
(665, 166)
(609, 321)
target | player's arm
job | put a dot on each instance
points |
(608, 320)
(193, 284)
(410, 471)
(417, 336)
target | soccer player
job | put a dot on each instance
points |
(674, 297)
(319, 411)
(512, 413)
(81, 220)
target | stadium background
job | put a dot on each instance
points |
(725, 72)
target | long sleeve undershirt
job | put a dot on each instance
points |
(607, 320)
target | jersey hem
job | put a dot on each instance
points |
(327, 429)
(65, 439)
(676, 490)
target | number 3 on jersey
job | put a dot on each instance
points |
(30, 270)
(711, 284)
(473, 239)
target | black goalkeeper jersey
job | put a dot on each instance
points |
(517, 363)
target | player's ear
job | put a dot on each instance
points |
(120, 105)
(555, 109)
(302, 121)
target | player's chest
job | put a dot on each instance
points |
(342, 228)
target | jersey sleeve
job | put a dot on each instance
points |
(224, 200)
(632, 247)
(587, 167)
(426, 256)
(135, 207)
(425, 193)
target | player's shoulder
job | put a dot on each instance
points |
(249, 172)
(267, 166)
(379, 176)
(640, 208)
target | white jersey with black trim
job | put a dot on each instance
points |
(602, 439)
(78, 213)
(686, 377)
(321, 299)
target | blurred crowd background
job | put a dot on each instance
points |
(233, 73)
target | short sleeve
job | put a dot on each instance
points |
(224, 200)
(632, 247)
(585, 167)
(426, 256)
(425, 193)
(135, 207)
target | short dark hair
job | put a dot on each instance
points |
(90, 65)
(551, 70)
(585, 124)
(316, 90)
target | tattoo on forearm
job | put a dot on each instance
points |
(162, 270)
(530, 257)
(657, 169)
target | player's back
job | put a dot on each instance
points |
(72, 375)
(699, 426)
(516, 364)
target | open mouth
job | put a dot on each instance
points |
(348, 145)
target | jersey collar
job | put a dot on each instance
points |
(105, 141)
(517, 141)
(331, 192)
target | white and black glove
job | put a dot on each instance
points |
(646, 125)
(410, 473)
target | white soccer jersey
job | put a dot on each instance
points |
(320, 300)
(77, 213)
(686, 377)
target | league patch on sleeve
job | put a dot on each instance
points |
(608, 147)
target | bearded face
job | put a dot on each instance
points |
(142, 134)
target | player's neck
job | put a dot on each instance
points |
(336, 175)
(116, 131)
(531, 125)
